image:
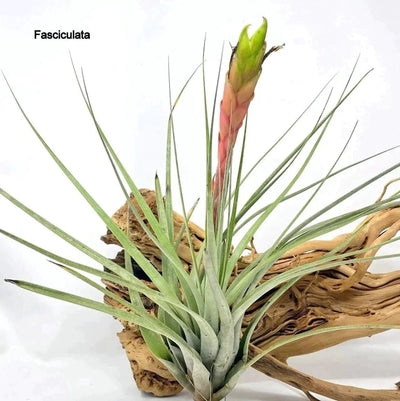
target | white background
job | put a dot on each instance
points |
(54, 351)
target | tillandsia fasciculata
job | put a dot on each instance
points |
(197, 333)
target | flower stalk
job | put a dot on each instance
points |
(240, 82)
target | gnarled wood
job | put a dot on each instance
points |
(281, 371)
(348, 294)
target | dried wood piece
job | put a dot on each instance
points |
(151, 376)
(348, 294)
(139, 237)
(281, 371)
(317, 300)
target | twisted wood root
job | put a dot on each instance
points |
(347, 294)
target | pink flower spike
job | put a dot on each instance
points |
(240, 82)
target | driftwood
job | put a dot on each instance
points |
(348, 294)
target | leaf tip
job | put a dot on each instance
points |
(11, 281)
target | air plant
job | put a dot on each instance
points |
(197, 333)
